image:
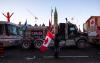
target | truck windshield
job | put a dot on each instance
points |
(11, 29)
(72, 28)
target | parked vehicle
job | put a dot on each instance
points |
(34, 36)
(70, 34)
(92, 28)
(9, 34)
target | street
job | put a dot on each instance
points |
(66, 55)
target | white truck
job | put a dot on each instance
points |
(9, 34)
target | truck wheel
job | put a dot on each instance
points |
(38, 43)
(26, 45)
(81, 43)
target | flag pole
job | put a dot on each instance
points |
(51, 14)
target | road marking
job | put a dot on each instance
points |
(67, 56)
(30, 58)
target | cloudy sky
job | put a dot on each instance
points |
(79, 10)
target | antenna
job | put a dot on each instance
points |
(30, 12)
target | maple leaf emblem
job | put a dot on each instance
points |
(92, 22)
(45, 41)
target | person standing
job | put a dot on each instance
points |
(56, 46)
(8, 16)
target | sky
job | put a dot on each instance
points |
(79, 10)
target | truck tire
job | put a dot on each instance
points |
(38, 43)
(26, 45)
(81, 43)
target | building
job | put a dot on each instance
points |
(55, 21)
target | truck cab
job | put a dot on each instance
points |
(69, 33)
(9, 34)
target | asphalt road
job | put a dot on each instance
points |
(66, 55)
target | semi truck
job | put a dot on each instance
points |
(92, 28)
(9, 34)
(34, 36)
(69, 33)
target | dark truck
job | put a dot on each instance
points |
(69, 33)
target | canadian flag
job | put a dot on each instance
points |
(46, 42)
(92, 22)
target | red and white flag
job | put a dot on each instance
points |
(46, 42)
(92, 22)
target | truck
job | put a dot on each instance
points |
(34, 36)
(9, 34)
(92, 28)
(69, 33)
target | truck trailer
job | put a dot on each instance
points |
(92, 28)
